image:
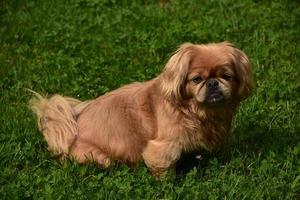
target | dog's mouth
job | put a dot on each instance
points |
(215, 98)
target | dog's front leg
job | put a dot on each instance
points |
(159, 156)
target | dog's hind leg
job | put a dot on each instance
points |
(83, 151)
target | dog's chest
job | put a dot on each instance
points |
(208, 135)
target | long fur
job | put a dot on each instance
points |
(154, 121)
(56, 119)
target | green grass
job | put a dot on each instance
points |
(84, 48)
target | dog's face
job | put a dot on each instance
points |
(211, 77)
(210, 74)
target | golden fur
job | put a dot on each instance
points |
(188, 107)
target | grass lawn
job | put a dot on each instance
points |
(85, 48)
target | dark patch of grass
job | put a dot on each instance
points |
(85, 48)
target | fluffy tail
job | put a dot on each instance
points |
(57, 120)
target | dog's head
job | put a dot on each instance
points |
(210, 74)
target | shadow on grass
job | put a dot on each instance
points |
(244, 143)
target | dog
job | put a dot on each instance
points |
(188, 107)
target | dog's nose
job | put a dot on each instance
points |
(212, 84)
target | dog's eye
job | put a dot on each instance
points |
(197, 79)
(227, 77)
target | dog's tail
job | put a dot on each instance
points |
(56, 119)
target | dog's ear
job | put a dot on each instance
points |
(173, 78)
(244, 74)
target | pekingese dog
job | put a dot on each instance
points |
(188, 107)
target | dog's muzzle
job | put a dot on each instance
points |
(213, 92)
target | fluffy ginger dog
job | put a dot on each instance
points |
(188, 107)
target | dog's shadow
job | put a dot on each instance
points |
(246, 142)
